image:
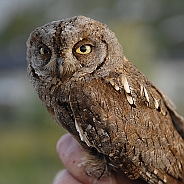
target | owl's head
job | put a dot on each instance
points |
(66, 47)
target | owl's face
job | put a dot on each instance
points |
(61, 48)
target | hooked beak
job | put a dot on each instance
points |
(59, 62)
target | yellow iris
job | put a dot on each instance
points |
(84, 49)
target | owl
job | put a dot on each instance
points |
(121, 119)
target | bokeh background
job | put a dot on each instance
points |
(152, 35)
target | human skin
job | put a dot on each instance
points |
(70, 153)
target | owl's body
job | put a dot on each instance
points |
(118, 116)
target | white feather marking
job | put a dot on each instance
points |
(155, 171)
(82, 135)
(163, 112)
(125, 84)
(112, 82)
(156, 103)
(116, 87)
(146, 94)
(79, 130)
(148, 174)
(165, 179)
(141, 90)
(130, 99)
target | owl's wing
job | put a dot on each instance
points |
(177, 120)
(136, 85)
(98, 105)
(97, 108)
(106, 107)
(92, 111)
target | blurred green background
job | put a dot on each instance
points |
(152, 35)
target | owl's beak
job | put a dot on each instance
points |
(59, 62)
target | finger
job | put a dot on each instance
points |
(64, 177)
(71, 153)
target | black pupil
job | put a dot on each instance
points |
(46, 50)
(83, 48)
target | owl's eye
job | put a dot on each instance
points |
(44, 50)
(84, 49)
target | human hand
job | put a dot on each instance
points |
(70, 153)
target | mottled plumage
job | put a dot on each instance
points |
(119, 117)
